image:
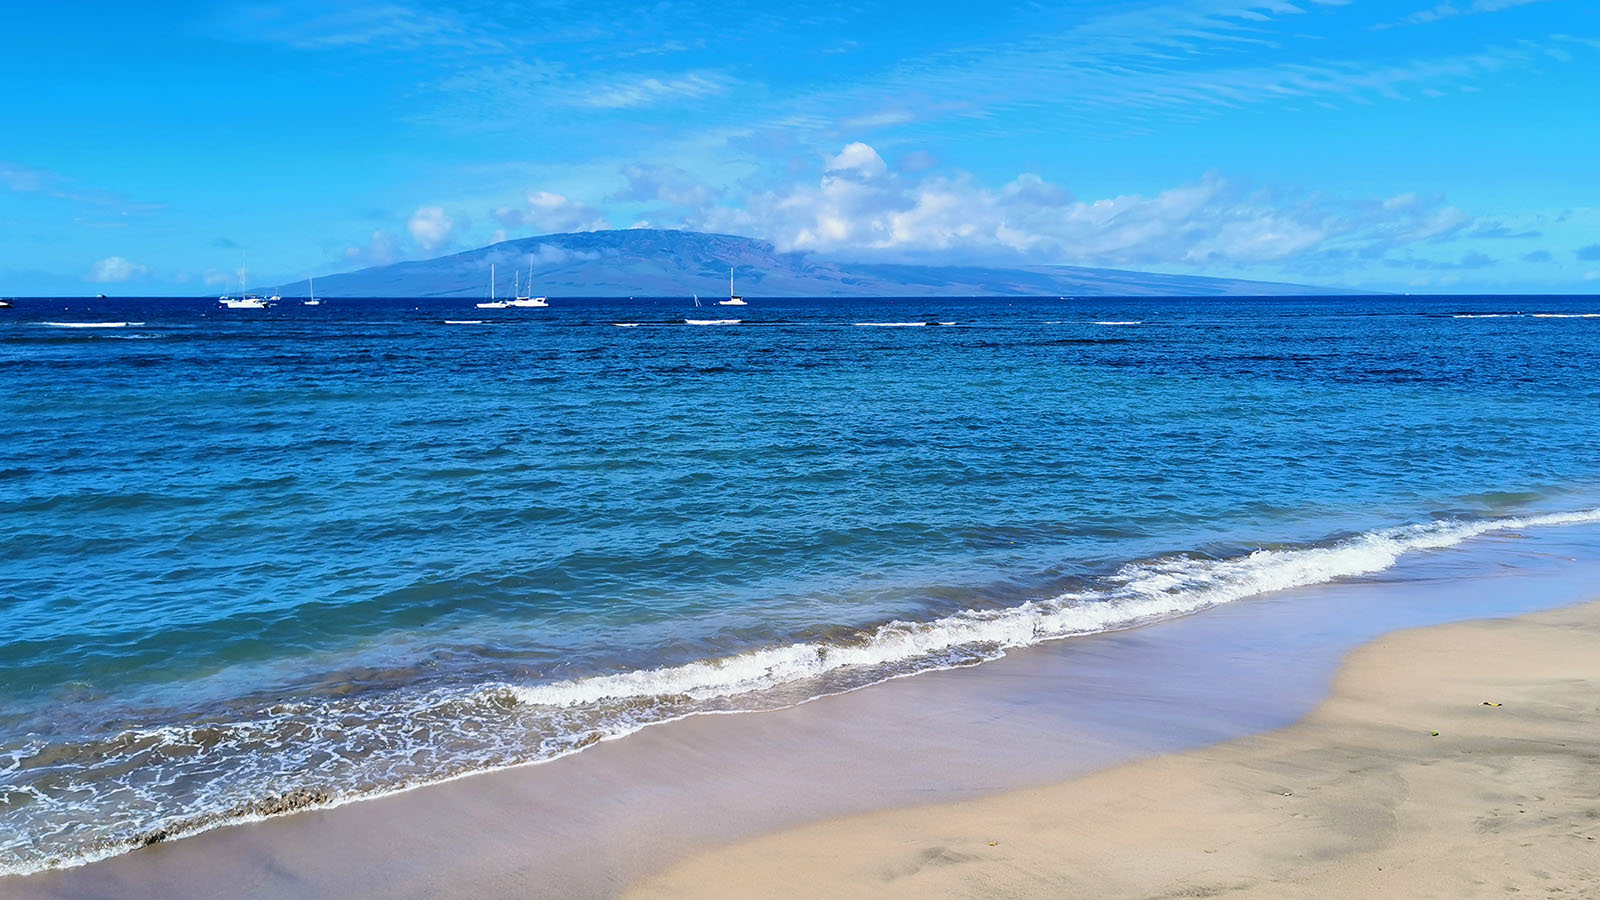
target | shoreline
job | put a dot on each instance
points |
(591, 824)
(1449, 761)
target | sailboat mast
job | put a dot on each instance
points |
(491, 282)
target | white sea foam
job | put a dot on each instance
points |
(463, 321)
(1487, 316)
(92, 324)
(889, 324)
(626, 324)
(1116, 322)
(1139, 592)
(237, 771)
(1565, 315)
(712, 321)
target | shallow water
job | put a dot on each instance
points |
(251, 561)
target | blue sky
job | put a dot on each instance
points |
(1400, 146)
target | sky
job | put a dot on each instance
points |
(156, 148)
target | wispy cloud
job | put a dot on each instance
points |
(658, 183)
(380, 248)
(31, 180)
(1054, 83)
(347, 26)
(1444, 11)
(649, 91)
(114, 269)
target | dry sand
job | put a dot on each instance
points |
(1361, 799)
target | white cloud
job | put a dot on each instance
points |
(662, 184)
(857, 159)
(860, 207)
(380, 249)
(115, 269)
(547, 212)
(431, 228)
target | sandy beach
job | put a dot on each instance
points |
(1452, 761)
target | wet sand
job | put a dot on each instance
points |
(1454, 761)
(625, 811)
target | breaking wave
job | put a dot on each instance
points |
(73, 803)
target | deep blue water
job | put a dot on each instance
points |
(254, 560)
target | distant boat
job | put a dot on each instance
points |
(493, 303)
(100, 296)
(521, 299)
(5, 302)
(312, 291)
(733, 299)
(712, 321)
(243, 301)
(696, 301)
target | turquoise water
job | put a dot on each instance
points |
(253, 561)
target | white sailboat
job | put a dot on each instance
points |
(521, 299)
(244, 300)
(311, 291)
(493, 303)
(733, 299)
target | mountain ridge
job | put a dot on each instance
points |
(663, 263)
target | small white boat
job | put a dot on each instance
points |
(244, 300)
(712, 321)
(311, 291)
(733, 299)
(527, 300)
(493, 303)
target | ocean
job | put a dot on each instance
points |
(258, 561)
